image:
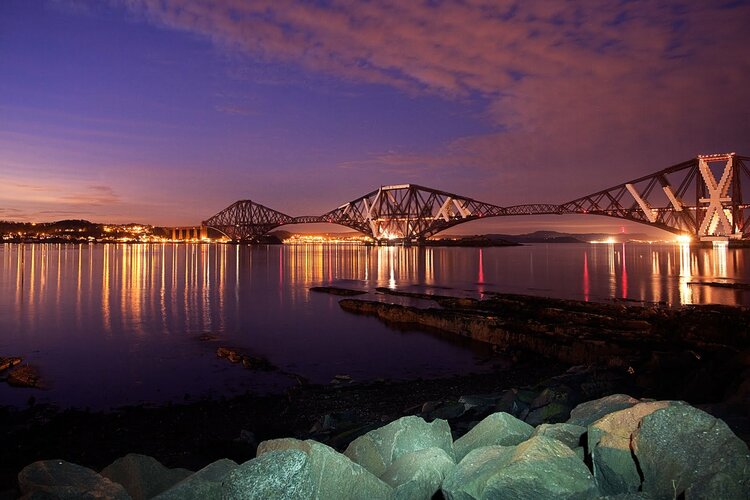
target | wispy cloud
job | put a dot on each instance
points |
(562, 72)
(607, 89)
(236, 110)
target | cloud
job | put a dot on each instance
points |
(236, 110)
(611, 89)
(92, 196)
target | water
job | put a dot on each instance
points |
(119, 324)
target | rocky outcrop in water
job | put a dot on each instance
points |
(650, 449)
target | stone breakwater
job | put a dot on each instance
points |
(617, 445)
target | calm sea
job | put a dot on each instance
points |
(110, 325)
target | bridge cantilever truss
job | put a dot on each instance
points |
(703, 197)
(408, 212)
(246, 220)
(706, 197)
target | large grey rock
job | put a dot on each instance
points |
(568, 434)
(206, 483)
(377, 449)
(63, 480)
(419, 474)
(682, 448)
(589, 412)
(538, 468)
(609, 440)
(276, 474)
(496, 429)
(143, 476)
(333, 475)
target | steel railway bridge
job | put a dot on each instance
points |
(707, 198)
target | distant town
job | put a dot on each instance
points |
(82, 231)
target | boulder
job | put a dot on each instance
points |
(332, 474)
(419, 474)
(64, 480)
(570, 435)
(276, 474)
(496, 429)
(206, 483)
(609, 440)
(540, 467)
(589, 412)
(682, 450)
(377, 449)
(143, 476)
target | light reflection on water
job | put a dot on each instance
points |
(112, 324)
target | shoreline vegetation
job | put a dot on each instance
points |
(563, 353)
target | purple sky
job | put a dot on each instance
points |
(167, 111)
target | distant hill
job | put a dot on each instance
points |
(558, 237)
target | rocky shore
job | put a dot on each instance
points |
(614, 446)
(565, 353)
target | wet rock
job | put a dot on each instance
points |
(333, 290)
(447, 410)
(335, 421)
(248, 438)
(25, 376)
(570, 435)
(419, 474)
(589, 412)
(332, 474)
(609, 441)
(8, 362)
(207, 337)
(516, 401)
(143, 476)
(63, 480)
(277, 474)
(496, 429)
(552, 405)
(206, 483)
(540, 467)
(681, 450)
(257, 363)
(481, 400)
(377, 449)
(249, 362)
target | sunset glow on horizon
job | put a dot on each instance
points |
(165, 112)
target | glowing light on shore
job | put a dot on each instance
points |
(684, 239)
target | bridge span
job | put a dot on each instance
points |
(707, 198)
